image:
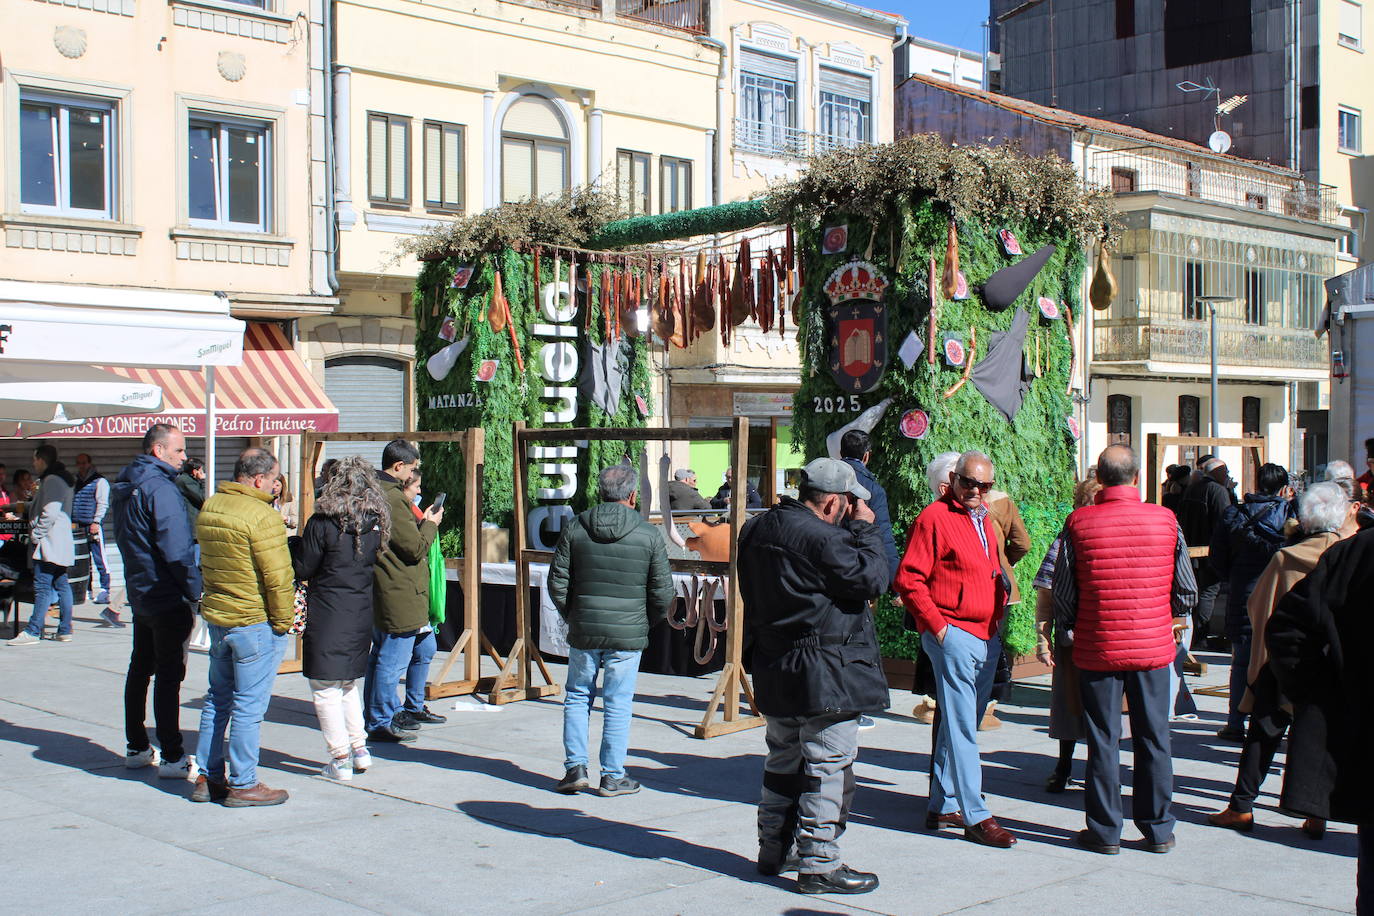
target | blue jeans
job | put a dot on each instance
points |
(417, 675)
(243, 667)
(617, 697)
(391, 654)
(47, 579)
(98, 563)
(961, 666)
(1240, 670)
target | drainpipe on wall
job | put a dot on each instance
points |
(722, 88)
(331, 185)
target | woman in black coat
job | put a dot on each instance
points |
(335, 556)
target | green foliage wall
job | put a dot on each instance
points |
(1034, 455)
(510, 395)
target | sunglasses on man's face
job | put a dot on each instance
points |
(969, 483)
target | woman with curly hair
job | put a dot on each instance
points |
(335, 557)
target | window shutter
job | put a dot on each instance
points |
(534, 116)
(516, 164)
(849, 85)
(453, 167)
(434, 148)
(551, 168)
(1350, 21)
(400, 164)
(783, 68)
(377, 150)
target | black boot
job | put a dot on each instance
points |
(843, 880)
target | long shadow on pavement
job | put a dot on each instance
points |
(79, 753)
(494, 767)
(633, 840)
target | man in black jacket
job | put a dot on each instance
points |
(1204, 502)
(808, 569)
(856, 450)
(163, 584)
(611, 582)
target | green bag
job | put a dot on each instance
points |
(438, 584)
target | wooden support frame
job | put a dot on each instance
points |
(473, 445)
(732, 680)
(1154, 462)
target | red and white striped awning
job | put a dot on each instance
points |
(271, 393)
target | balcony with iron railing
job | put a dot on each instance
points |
(769, 138)
(1239, 345)
(1258, 187)
(692, 16)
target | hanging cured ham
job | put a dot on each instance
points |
(1103, 288)
(499, 313)
(949, 280)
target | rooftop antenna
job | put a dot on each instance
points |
(1220, 141)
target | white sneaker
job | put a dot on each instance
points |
(25, 638)
(135, 759)
(177, 769)
(340, 768)
(361, 759)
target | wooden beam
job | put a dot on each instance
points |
(646, 434)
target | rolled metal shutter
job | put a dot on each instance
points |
(370, 393)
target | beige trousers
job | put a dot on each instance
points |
(339, 706)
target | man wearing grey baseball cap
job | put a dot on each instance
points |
(808, 569)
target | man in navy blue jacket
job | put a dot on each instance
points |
(163, 584)
(856, 450)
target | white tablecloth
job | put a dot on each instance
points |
(553, 630)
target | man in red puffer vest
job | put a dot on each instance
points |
(1123, 585)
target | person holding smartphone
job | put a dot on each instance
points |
(414, 712)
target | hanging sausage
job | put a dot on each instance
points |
(949, 280)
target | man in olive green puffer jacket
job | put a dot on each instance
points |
(611, 581)
(248, 607)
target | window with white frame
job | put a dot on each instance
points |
(388, 159)
(67, 161)
(1350, 242)
(535, 153)
(443, 166)
(1348, 129)
(675, 184)
(632, 172)
(767, 120)
(846, 108)
(228, 171)
(1350, 24)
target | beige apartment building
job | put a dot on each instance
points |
(444, 109)
(158, 161)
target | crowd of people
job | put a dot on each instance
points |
(1120, 598)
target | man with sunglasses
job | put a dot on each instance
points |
(953, 583)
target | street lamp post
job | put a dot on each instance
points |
(1212, 310)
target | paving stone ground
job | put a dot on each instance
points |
(464, 821)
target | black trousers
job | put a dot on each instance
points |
(158, 655)
(1268, 724)
(1152, 785)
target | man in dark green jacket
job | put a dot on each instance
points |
(611, 582)
(400, 593)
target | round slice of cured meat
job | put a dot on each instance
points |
(1073, 427)
(954, 351)
(914, 424)
(487, 370)
(1049, 308)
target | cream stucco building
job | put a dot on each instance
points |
(445, 109)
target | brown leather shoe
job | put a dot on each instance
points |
(990, 833)
(936, 821)
(1243, 821)
(208, 790)
(1314, 827)
(254, 797)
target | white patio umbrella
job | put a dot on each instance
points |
(58, 393)
(22, 429)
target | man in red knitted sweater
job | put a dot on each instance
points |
(1123, 586)
(952, 582)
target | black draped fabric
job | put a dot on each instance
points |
(1006, 286)
(999, 375)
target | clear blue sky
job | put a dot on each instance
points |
(954, 22)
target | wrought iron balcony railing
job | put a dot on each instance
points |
(773, 139)
(1179, 341)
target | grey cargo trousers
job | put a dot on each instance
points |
(808, 785)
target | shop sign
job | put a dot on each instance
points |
(231, 424)
(763, 403)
